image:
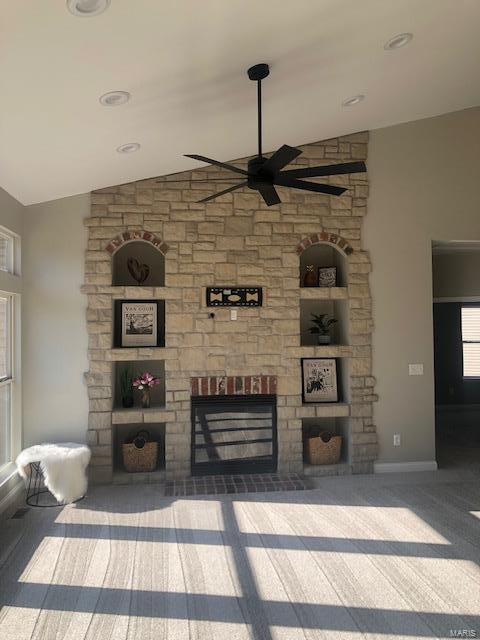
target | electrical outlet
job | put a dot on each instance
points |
(415, 369)
(233, 314)
(396, 440)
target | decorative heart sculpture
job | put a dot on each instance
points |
(138, 270)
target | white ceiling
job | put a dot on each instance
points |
(184, 63)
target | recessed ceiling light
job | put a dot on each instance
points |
(129, 147)
(114, 98)
(87, 8)
(353, 100)
(398, 41)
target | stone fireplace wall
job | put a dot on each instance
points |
(234, 240)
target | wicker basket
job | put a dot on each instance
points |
(324, 449)
(137, 459)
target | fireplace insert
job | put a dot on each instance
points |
(234, 434)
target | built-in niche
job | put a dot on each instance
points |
(337, 309)
(323, 255)
(138, 264)
(124, 371)
(312, 427)
(126, 433)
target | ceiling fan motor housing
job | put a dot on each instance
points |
(255, 174)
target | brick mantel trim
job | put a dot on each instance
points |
(129, 236)
(233, 385)
(325, 238)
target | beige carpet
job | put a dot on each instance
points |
(359, 557)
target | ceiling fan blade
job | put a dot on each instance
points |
(287, 181)
(230, 167)
(221, 193)
(326, 170)
(280, 159)
(167, 182)
(269, 194)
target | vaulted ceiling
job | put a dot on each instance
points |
(184, 63)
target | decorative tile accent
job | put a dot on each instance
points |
(325, 237)
(234, 296)
(233, 385)
(129, 236)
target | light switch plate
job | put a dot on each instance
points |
(396, 440)
(415, 369)
(233, 314)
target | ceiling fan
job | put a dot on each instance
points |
(264, 174)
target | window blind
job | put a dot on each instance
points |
(471, 341)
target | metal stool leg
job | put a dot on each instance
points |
(35, 489)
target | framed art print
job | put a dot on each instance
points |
(139, 323)
(319, 380)
(327, 276)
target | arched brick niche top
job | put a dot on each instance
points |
(131, 236)
(325, 238)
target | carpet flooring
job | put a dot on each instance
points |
(356, 557)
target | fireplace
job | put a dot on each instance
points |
(234, 434)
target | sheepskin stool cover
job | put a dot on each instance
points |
(63, 466)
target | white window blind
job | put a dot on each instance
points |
(5, 380)
(471, 341)
(6, 252)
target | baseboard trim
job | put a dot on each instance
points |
(401, 467)
(9, 500)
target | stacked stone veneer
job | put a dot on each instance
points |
(234, 240)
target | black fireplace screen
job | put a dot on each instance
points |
(234, 434)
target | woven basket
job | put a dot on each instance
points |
(321, 452)
(144, 459)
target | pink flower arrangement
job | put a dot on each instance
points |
(146, 380)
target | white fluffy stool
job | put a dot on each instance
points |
(61, 468)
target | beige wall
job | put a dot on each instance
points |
(424, 179)
(456, 275)
(54, 324)
(11, 212)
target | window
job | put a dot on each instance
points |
(10, 369)
(8, 242)
(5, 379)
(471, 341)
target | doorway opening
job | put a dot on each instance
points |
(456, 318)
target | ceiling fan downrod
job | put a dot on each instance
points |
(257, 73)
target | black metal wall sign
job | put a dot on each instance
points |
(234, 296)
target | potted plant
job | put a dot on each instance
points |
(144, 383)
(126, 388)
(322, 325)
